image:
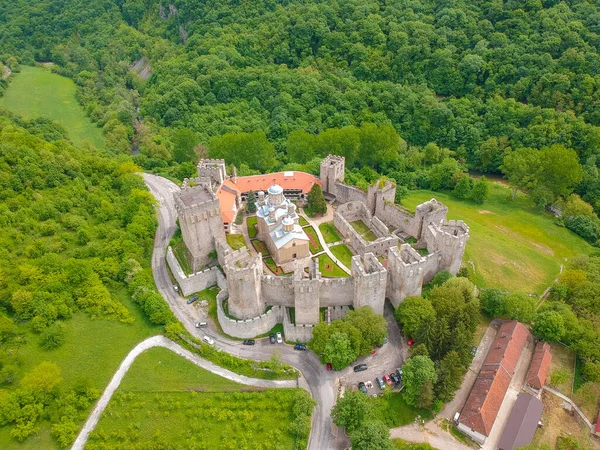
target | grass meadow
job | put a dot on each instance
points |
(343, 253)
(166, 401)
(330, 232)
(37, 92)
(512, 245)
(235, 241)
(329, 269)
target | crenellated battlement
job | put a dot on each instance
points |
(214, 169)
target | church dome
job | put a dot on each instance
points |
(288, 224)
(275, 190)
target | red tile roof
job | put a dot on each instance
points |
(485, 399)
(287, 180)
(540, 364)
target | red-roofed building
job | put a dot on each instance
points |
(234, 190)
(481, 408)
(540, 364)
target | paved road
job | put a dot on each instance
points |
(161, 341)
(320, 382)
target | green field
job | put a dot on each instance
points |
(92, 352)
(512, 244)
(37, 92)
(343, 254)
(235, 241)
(166, 401)
(330, 232)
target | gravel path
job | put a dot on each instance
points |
(161, 341)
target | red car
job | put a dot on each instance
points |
(373, 351)
(387, 380)
(410, 342)
(328, 366)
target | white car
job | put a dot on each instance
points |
(176, 288)
(279, 338)
(208, 340)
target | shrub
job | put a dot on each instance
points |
(53, 337)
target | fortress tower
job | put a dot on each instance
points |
(213, 169)
(332, 170)
(370, 279)
(200, 221)
(406, 269)
(306, 295)
(449, 238)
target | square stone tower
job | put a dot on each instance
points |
(332, 170)
(200, 221)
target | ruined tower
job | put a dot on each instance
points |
(332, 170)
(370, 278)
(213, 169)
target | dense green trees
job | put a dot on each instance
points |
(345, 339)
(315, 201)
(419, 377)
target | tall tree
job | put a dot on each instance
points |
(300, 146)
(450, 374)
(252, 149)
(520, 167)
(351, 410)
(417, 371)
(372, 435)
(184, 141)
(412, 313)
(316, 203)
(373, 327)
(480, 191)
(251, 202)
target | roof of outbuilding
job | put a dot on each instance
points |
(485, 399)
(540, 365)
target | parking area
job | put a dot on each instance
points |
(385, 361)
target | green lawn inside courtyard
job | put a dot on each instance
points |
(315, 245)
(330, 232)
(329, 269)
(235, 241)
(166, 401)
(363, 230)
(37, 92)
(251, 223)
(512, 245)
(343, 253)
(302, 221)
(260, 247)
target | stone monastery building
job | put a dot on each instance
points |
(385, 265)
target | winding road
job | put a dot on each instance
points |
(321, 384)
(161, 341)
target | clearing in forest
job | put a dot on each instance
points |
(37, 92)
(512, 245)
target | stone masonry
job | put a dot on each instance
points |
(250, 292)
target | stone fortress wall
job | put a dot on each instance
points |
(249, 291)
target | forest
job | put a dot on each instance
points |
(439, 89)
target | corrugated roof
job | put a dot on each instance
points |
(540, 364)
(522, 423)
(485, 399)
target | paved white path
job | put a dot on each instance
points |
(315, 226)
(567, 399)
(161, 341)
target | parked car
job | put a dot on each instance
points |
(473, 351)
(272, 338)
(176, 288)
(399, 371)
(362, 387)
(201, 324)
(248, 342)
(328, 366)
(395, 378)
(387, 380)
(192, 299)
(373, 351)
(299, 347)
(410, 342)
(380, 383)
(360, 367)
(279, 338)
(208, 340)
